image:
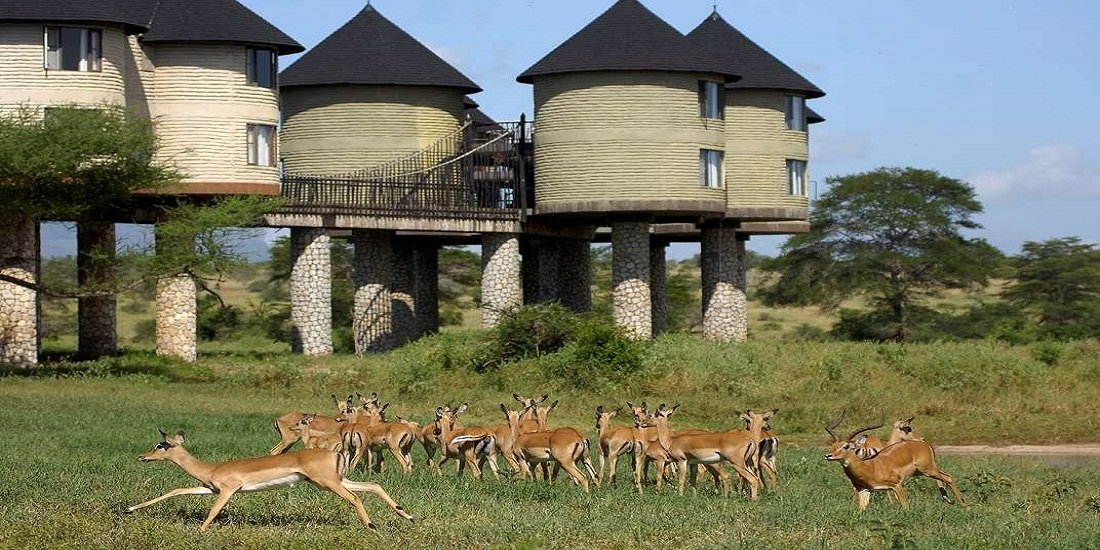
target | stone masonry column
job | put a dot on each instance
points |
(501, 276)
(98, 319)
(529, 251)
(310, 291)
(176, 310)
(372, 324)
(403, 295)
(630, 278)
(725, 303)
(549, 288)
(658, 285)
(19, 245)
(426, 267)
(575, 274)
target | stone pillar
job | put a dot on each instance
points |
(575, 274)
(372, 313)
(310, 291)
(426, 267)
(403, 295)
(548, 271)
(98, 319)
(529, 251)
(19, 246)
(501, 276)
(630, 278)
(176, 310)
(658, 285)
(725, 311)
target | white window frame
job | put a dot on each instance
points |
(712, 100)
(91, 49)
(795, 113)
(256, 154)
(250, 70)
(796, 177)
(712, 168)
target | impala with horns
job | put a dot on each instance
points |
(869, 445)
(322, 468)
(887, 470)
(562, 446)
(320, 424)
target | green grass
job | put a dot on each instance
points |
(68, 462)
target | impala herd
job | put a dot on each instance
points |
(335, 445)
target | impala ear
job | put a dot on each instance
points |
(178, 438)
(553, 406)
(544, 397)
(462, 408)
(630, 405)
(599, 410)
(909, 420)
(517, 397)
(860, 441)
(503, 408)
(768, 415)
(644, 407)
(438, 413)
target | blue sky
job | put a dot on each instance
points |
(998, 93)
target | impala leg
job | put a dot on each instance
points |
(899, 492)
(747, 474)
(399, 457)
(863, 498)
(223, 499)
(170, 494)
(682, 468)
(604, 459)
(715, 473)
(283, 445)
(943, 478)
(566, 463)
(378, 491)
(469, 458)
(491, 460)
(770, 471)
(344, 492)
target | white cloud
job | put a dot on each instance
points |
(1051, 171)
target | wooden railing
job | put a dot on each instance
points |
(479, 172)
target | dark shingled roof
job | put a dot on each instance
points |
(480, 118)
(759, 69)
(370, 49)
(132, 14)
(214, 21)
(160, 20)
(469, 103)
(812, 117)
(627, 37)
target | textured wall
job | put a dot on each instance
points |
(758, 146)
(19, 305)
(403, 294)
(24, 79)
(310, 291)
(501, 276)
(658, 285)
(725, 302)
(426, 266)
(632, 306)
(203, 104)
(621, 135)
(337, 129)
(176, 308)
(575, 272)
(372, 313)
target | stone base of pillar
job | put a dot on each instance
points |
(529, 251)
(176, 317)
(501, 277)
(575, 274)
(372, 323)
(549, 272)
(310, 291)
(632, 308)
(426, 266)
(19, 245)
(403, 296)
(97, 316)
(725, 302)
(658, 285)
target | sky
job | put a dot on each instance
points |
(997, 93)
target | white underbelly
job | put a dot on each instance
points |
(711, 458)
(537, 454)
(273, 483)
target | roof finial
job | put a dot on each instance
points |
(715, 6)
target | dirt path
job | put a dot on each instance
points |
(1071, 450)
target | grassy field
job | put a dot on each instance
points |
(69, 468)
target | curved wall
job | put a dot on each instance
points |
(757, 148)
(25, 80)
(623, 142)
(340, 129)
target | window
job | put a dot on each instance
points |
(261, 145)
(711, 100)
(796, 113)
(73, 49)
(710, 168)
(263, 65)
(796, 177)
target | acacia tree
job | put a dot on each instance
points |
(78, 164)
(892, 234)
(1058, 281)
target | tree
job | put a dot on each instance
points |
(80, 164)
(1058, 281)
(893, 234)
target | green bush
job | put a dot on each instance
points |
(525, 333)
(599, 354)
(1048, 352)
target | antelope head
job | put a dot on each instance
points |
(843, 449)
(514, 417)
(603, 418)
(169, 448)
(640, 414)
(542, 412)
(754, 420)
(347, 409)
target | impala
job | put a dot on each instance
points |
(322, 424)
(766, 453)
(362, 419)
(467, 445)
(398, 437)
(614, 441)
(312, 439)
(563, 446)
(889, 468)
(323, 468)
(869, 445)
(736, 447)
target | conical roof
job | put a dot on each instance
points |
(627, 37)
(213, 21)
(129, 13)
(369, 49)
(812, 117)
(759, 69)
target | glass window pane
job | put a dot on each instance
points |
(251, 144)
(94, 38)
(71, 45)
(53, 48)
(261, 67)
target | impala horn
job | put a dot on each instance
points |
(881, 423)
(830, 427)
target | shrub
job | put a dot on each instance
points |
(1047, 352)
(599, 354)
(525, 333)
